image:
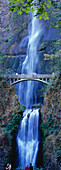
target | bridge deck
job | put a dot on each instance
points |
(28, 76)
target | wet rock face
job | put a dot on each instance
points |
(18, 44)
(4, 20)
(14, 63)
(36, 106)
(12, 28)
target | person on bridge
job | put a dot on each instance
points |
(27, 168)
(31, 167)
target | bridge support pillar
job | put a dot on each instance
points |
(50, 80)
(13, 80)
(10, 81)
(46, 79)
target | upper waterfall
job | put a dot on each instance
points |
(27, 90)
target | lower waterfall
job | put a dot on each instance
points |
(27, 138)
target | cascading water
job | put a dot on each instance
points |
(30, 65)
(27, 137)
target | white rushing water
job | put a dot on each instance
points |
(27, 137)
(28, 95)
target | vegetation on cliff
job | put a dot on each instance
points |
(10, 114)
(51, 125)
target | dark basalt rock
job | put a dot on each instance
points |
(36, 106)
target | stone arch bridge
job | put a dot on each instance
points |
(16, 78)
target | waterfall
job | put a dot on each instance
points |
(28, 95)
(27, 137)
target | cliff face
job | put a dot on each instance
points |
(11, 112)
(51, 125)
(12, 28)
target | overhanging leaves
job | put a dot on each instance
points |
(30, 5)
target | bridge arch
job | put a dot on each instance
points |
(29, 79)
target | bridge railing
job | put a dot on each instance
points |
(22, 76)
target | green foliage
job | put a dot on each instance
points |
(19, 168)
(43, 90)
(12, 127)
(9, 120)
(55, 13)
(3, 91)
(4, 69)
(40, 168)
(54, 55)
(16, 117)
(49, 127)
(28, 6)
(35, 168)
(54, 47)
(51, 124)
